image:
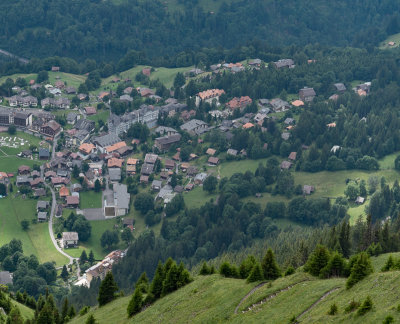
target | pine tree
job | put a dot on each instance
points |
(205, 270)
(136, 303)
(333, 310)
(170, 283)
(14, 317)
(389, 265)
(256, 273)
(365, 306)
(317, 260)
(91, 320)
(344, 239)
(157, 283)
(71, 312)
(91, 257)
(107, 289)
(83, 258)
(142, 283)
(336, 267)
(270, 267)
(65, 308)
(362, 267)
(64, 273)
(246, 266)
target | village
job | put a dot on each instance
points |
(96, 167)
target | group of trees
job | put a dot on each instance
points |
(79, 224)
(167, 278)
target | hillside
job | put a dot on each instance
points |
(92, 29)
(213, 299)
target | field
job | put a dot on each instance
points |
(34, 241)
(71, 80)
(14, 144)
(101, 115)
(90, 199)
(392, 38)
(206, 301)
(12, 163)
(14, 77)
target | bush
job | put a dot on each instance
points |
(365, 306)
(333, 310)
(289, 271)
(352, 306)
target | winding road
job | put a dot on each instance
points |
(53, 210)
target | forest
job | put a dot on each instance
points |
(105, 31)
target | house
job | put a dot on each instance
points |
(360, 200)
(70, 90)
(192, 171)
(184, 166)
(6, 278)
(209, 96)
(211, 151)
(156, 185)
(297, 103)
(24, 170)
(87, 148)
(213, 160)
(145, 92)
(128, 222)
(44, 154)
(76, 187)
(363, 89)
(308, 190)
(255, 62)
(150, 158)
(286, 165)
(42, 205)
(63, 192)
(40, 192)
(115, 163)
(278, 105)
(22, 119)
(293, 156)
(195, 127)
(307, 94)
(163, 130)
(239, 103)
(115, 174)
(248, 126)
(131, 165)
(179, 189)
(36, 182)
(104, 141)
(164, 143)
(232, 152)
(285, 136)
(331, 125)
(70, 239)
(169, 164)
(72, 118)
(200, 177)
(147, 169)
(100, 269)
(55, 69)
(289, 121)
(117, 203)
(42, 216)
(144, 179)
(73, 201)
(85, 125)
(51, 128)
(284, 63)
(90, 111)
(125, 98)
(340, 87)
(112, 148)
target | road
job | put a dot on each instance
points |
(52, 213)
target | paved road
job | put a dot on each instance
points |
(53, 209)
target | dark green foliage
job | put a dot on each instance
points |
(84, 310)
(12, 130)
(206, 270)
(336, 267)
(289, 271)
(142, 283)
(365, 306)
(144, 202)
(107, 290)
(157, 283)
(333, 310)
(91, 257)
(109, 239)
(136, 303)
(15, 317)
(256, 273)
(228, 270)
(246, 266)
(25, 224)
(270, 268)
(127, 235)
(83, 258)
(64, 273)
(360, 269)
(177, 204)
(79, 224)
(317, 261)
(210, 184)
(388, 320)
(389, 265)
(91, 320)
(352, 306)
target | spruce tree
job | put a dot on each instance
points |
(205, 270)
(157, 283)
(83, 258)
(142, 283)
(317, 260)
(107, 289)
(14, 317)
(270, 267)
(64, 273)
(91, 257)
(336, 267)
(246, 266)
(362, 267)
(256, 273)
(65, 308)
(183, 276)
(71, 312)
(389, 265)
(136, 303)
(170, 283)
(365, 306)
(91, 320)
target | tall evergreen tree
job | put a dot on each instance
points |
(136, 303)
(361, 268)
(64, 273)
(270, 268)
(142, 283)
(91, 257)
(14, 317)
(157, 283)
(256, 273)
(65, 309)
(317, 260)
(107, 289)
(83, 258)
(91, 320)
(170, 282)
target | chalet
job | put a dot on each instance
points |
(169, 164)
(145, 92)
(200, 177)
(104, 141)
(42, 216)
(50, 174)
(150, 158)
(292, 156)
(289, 121)
(232, 152)
(42, 205)
(44, 154)
(51, 128)
(360, 200)
(278, 105)
(297, 103)
(36, 182)
(209, 96)
(90, 111)
(340, 87)
(144, 179)
(213, 160)
(128, 222)
(308, 190)
(163, 130)
(131, 165)
(115, 163)
(284, 63)
(156, 185)
(307, 94)
(6, 278)
(72, 118)
(22, 119)
(63, 192)
(87, 148)
(39, 192)
(192, 171)
(23, 180)
(239, 103)
(70, 239)
(210, 151)
(286, 165)
(55, 69)
(73, 201)
(195, 127)
(164, 143)
(125, 98)
(24, 170)
(70, 90)
(255, 62)
(147, 169)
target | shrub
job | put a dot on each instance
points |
(333, 310)
(365, 306)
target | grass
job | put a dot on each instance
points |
(212, 299)
(90, 199)
(27, 77)
(71, 80)
(101, 115)
(26, 312)
(28, 140)
(34, 241)
(392, 38)
(197, 197)
(12, 163)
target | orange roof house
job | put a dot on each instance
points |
(115, 163)
(208, 94)
(115, 147)
(241, 102)
(248, 125)
(298, 103)
(64, 192)
(132, 161)
(90, 110)
(3, 175)
(331, 125)
(103, 94)
(211, 151)
(86, 148)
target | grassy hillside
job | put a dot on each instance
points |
(213, 299)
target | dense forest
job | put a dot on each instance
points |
(106, 31)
